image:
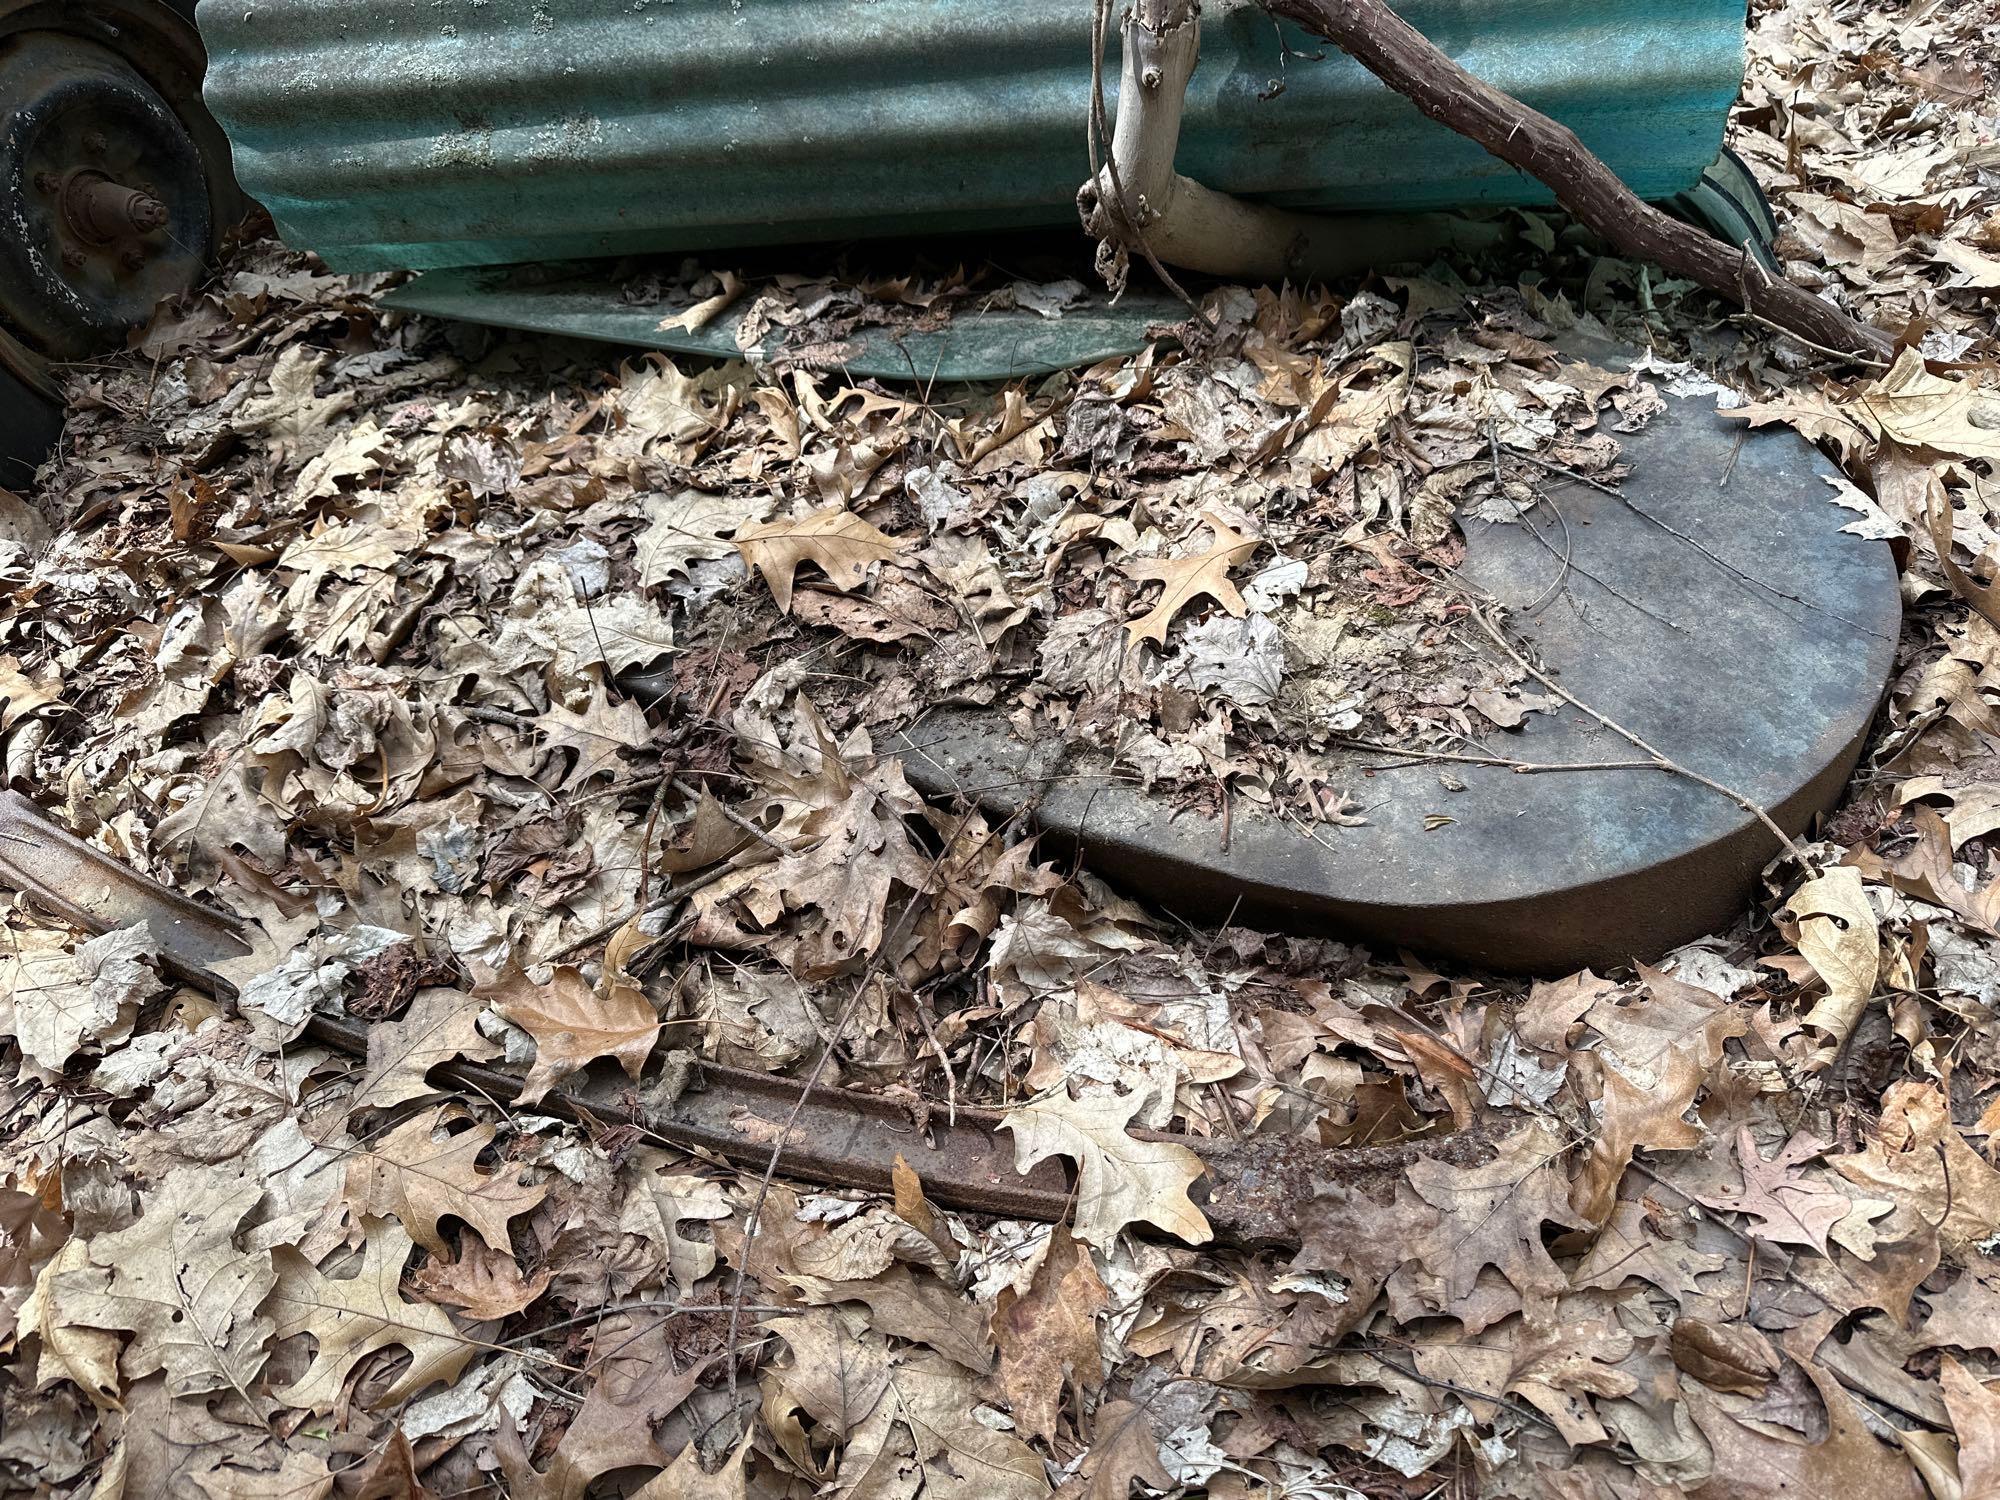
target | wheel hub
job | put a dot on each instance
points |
(107, 192)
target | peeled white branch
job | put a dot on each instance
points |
(1144, 204)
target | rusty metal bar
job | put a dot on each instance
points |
(842, 1139)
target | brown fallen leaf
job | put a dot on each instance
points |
(596, 734)
(685, 1479)
(1917, 1157)
(918, 1307)
(1493, 1213)
(639, 1382)
(1655, 1055)
(1634, 1244)
(915, 1210)
(1119, 1179)
(440, 1025)
(1190, 578)
(659, 1202)
(838, 1372)
(1048, 1335)
(1125, 1448)
(838, 542)
(573, 1025)
(1911, 406)
(392, 1474)
(1975, 1417)
(300, 1475)
(86, 1357)
(1838, 938)
(351, 1317)
(175, 1279)
(855, 851)
(418, 1180)
(700, 314)
(1729, 1357)
(1751, 1465)
(482, 1283)
(1788, 1207)
(922, 1425)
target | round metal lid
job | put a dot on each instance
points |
(1717, 609)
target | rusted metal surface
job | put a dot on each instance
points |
(87, 887)
(1251, 1192)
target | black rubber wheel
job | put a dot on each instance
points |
(115, 185)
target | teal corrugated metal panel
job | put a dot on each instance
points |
(463, 132)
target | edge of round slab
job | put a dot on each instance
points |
(1718, 610)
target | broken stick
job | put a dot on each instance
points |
(1405, 59)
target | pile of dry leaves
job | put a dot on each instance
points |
(525, 704)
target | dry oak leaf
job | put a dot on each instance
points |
(1911, 406)
(1750, 1465)
(86, 1357)
(1837, 937)
(482, 1283)
(1629, 1247)
(923, 1428)
(838, 1372)
(1966, 1315)
(176, 1280)
(440, 1024)
(1655, 1054)
(351, 1318)
(858, 849)
(302, 1474)
(573, 1025)
(393, 1474)
(596, 734)
(843, 546)
(1124, 1447)
(1190, 578)
(685, 1479)
(289, 414)
(1049, 1335)
(617, 630)
(640, 1380)
(1790, 1210)
(419, 1180)
(917, 1307)
(1492, 1215)
(61, 1001)
(691, 526)
(658, 1201)
(1975, 1417)
(1119, 1179)
(1917, 1157)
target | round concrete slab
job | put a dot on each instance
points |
(1722, 614)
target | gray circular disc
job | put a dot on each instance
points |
(1718, 611)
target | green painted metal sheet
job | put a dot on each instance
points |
(1012, 344)
(465, 132)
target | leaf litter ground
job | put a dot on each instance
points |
(526, 704)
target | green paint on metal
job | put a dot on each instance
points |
(1003, 345)
(462, 132)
